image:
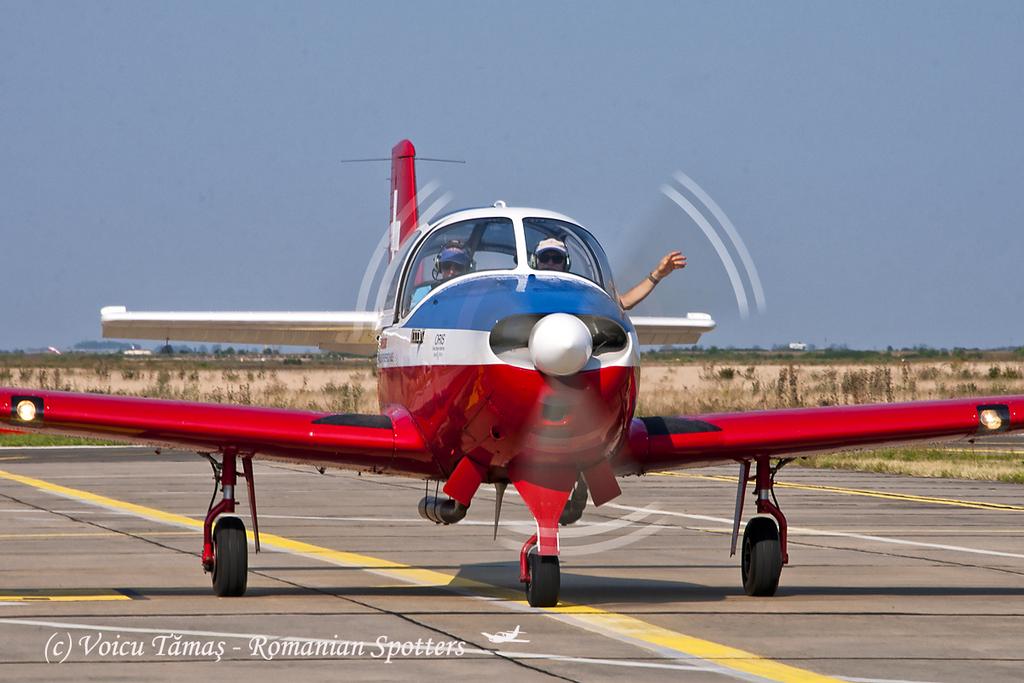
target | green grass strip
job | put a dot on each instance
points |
(927, 462)
(29, 440)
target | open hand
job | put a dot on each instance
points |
(673, 260)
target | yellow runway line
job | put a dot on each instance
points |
(644, 633)
(107, 597)
(976, 505)
(378, 565)
(619, 626)
(85, 534)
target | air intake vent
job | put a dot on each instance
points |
(512, 334)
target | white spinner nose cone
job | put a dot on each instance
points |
(560, 344)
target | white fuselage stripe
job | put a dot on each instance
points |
(440, 347)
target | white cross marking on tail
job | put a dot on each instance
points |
(396, 225)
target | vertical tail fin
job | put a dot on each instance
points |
(404, 212)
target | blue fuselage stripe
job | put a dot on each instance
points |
(479, 303)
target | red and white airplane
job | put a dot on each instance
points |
(505, 373)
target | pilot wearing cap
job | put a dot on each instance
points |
(452, 261)
(551, 254)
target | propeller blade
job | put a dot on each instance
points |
(499, 490)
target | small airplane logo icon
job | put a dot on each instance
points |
(505, 636)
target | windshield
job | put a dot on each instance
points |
(392, 274)
(457, 249)
(566, 247)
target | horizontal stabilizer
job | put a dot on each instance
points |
(660, 331)
(352, 331)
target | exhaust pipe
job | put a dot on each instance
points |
(442, 510)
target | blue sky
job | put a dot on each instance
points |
(186, 155)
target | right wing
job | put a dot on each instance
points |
(381, 443)
(353, 331)
(660, 331)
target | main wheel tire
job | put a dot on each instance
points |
(230, 557)
(545, 577)
(761, 557)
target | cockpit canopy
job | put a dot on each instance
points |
(489, 243)
(491, 240)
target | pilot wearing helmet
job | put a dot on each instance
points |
(552, 254)
(452, 261)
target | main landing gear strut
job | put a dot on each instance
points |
(225, 547)
(765, 549)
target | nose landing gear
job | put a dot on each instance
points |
(541, 575)
(545, 493)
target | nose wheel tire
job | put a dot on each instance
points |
(545, 579)
(761, 557)
(230, 557)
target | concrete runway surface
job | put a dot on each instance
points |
(891, 579)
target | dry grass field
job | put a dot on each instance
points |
(667, 388)
(683, 389)
(345, 388)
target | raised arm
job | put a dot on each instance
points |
(673, 260)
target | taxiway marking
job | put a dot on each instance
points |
(718, 658)
(977, 505)
(42, 597)
(508, 654)
(83, 534)
(67, 448)
(822, 532)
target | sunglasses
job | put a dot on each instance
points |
(551, 257)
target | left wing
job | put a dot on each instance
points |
(353, 331)
(672, 330)
(658, 443)
(376, 442)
